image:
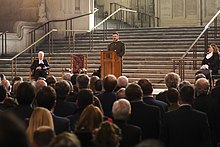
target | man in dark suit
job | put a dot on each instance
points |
(46, 98)
(131, 134)
(40, 66)
(205, 103)
(186, 127)
(143, 115)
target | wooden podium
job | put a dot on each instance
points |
(111, 63)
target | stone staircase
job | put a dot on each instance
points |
(149, 52)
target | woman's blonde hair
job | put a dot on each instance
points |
(39, 117)
(90, 119)
(215, 47)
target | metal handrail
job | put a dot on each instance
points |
(202, 33)
(104, 20)
(4, 42)
(47, 24)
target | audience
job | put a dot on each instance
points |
(205, 103)
(108, 97)
(62, 91)
(137, 120)
(186, 127)
(147, 117)
(39, 117)
(107, 135)
(131, 134)
(43, 136)
(65, 140)
(12, 131)
(90, 119)
(46, 98)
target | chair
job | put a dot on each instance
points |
(78, 64)
(31, 74)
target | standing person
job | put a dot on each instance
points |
(40, 66)
(186, 127)
(117, 45)
(212, 59)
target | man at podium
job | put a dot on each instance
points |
(117, 45)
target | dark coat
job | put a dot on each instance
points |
(213, 63)
(118, 47)
(61, 124)
(186, 127)
(43, 72)
(131, 134)
(147, 117)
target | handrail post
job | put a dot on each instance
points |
(215, 28)
(12, 69)
(5, 42)
(68, 40)
(2, 44)
(141, 20)
(205, 41)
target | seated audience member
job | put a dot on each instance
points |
(198, 76)
(39, 84)
(108, 97)
(15, 80)
(40, 66)
(67, 76)
(215, 92)
(12, 131)
(131, 134)
(120, 94)
(39, 117)
(90, 119)
(93, 79)
(97, 72)
(187, 123)
(62, 90)
(148, 98)
(98, 87)
(122, 82)
(3, 93)
(2, 77)
(204, 69)
(85, 98)
(65, 140)
(183, 83)
(173, 99)
(172, 80)
(107, 135)
(46, 98)
(43, 136)
(146, 116)
(51, 81)
(205, 103)
(15, 87)
(25, 97)
(9, 103)
(150, 143)
(7, 86)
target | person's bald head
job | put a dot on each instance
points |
(202, 86)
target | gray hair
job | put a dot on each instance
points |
(121, 109)
(172, 80)
(122, 81)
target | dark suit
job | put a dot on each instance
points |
(64, 108)
(207, 104)
(131, 134)
(61, 124)
(147, 117)
(186, 127)
(107, 99)
(43, 72)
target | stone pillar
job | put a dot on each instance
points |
(42, 12)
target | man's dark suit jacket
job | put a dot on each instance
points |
(64, 108)
(147, 117)
(42, 72)
(186, 127)
(107, 99)
(131, 134)
(208, 105)
(61, 124)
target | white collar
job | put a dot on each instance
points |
(209, 55)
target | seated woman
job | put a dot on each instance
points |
(212, 59)
(40, 66)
